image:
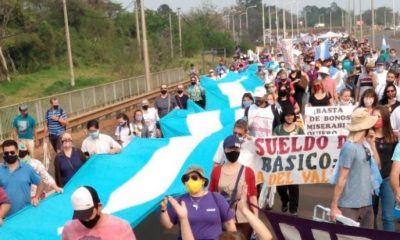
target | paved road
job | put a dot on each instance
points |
(394, 43)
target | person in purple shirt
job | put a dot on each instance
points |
(208, 212)
(312, 75)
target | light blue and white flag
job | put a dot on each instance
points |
(322, 51)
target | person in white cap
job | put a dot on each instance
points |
(261, 116)
(88, 222)
(352, 196)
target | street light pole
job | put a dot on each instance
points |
(145, 47)
(394, 20)
(373, 22)
(233, 27)
(240, 25)
(297, 18)
(330, 20)
(361, 22)
(247, 18)
(180, 32)
(138, 28)
(291, 18)
(69, 49)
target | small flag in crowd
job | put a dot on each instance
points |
(322, 51)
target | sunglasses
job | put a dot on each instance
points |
(186, 178)
(10, 153)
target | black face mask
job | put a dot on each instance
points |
(90, 223)
(232, 156)
(163, 92)
(282, 93)
(55, 107)
(10, 159)
(179, 91)
(193, 83)
(145, 107)
(22, 154)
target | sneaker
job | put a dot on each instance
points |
(293, 212)
(284, 207)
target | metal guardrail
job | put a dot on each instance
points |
(86, 100)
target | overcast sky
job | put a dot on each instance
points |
(186, 5)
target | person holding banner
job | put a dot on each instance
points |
(352, 195)
(229, 180)
(385, 144)
(208, 212)
(289, 194)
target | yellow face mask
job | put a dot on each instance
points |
(194, 187)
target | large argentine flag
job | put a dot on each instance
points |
(322, 51)
(132, 183)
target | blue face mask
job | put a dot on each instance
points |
(94, 135)
(247, 104)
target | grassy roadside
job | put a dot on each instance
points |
(25, 87)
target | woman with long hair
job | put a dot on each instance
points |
(124, 130)
(385, 143)
(389, 97)
(319, 97)
(368, 100)
(140, 129)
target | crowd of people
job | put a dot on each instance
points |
(225, 204)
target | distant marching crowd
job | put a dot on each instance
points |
(224, 205)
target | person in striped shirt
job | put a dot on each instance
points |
(56, 122)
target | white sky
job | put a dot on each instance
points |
(186, 5)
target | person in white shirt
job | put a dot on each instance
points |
(124, 131)
(380, 72)
(151, 118)
(98, 143)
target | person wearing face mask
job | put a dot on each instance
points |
(380, 72)
(68, 161)
(151, 118)
(391, 77)
(385, 144)
(369, 100)
(261, 116)
(328, 83)
(286, 101)
(208, 212)
(340, 78)
(24, 126)
(56, 121)
(289, 194)
(366, 80)
(345, 98)
(124, 130)
(89, 222)
(48, 180)
(196, 92)
(164, 103)
(229, 179)
(247, 100)
(139, 126)
(98, 143)
(181, 97)
(16, 177)
(319, 97)
(389, 97)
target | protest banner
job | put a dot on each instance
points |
(320, 121)
(298, 159)
(287, 50)
(289, 227)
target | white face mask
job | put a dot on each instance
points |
(270, 102)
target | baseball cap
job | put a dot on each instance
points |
(84, 200)
(231, 141)
(260, 92)
(22, 147)
(23, 107)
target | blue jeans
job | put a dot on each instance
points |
(387, 204)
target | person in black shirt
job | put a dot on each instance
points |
(181, 98)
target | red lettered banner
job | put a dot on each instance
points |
(298, 159)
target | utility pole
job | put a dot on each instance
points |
(349, 16)
(354, 17)
(263, 20)
(170, 36)
(247, 18)
(394, 20)
(180, 32)
(284, 19)
(137, 4)
(270, 25)
(291, 18)
(233, 27)
(240, 26)
(330, 20)
(69, 50)
(361, 22)
(276, 21)
(373, 22)
(145, 47)
(297, 17)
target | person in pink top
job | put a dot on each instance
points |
(328, 83)
(90, 223)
